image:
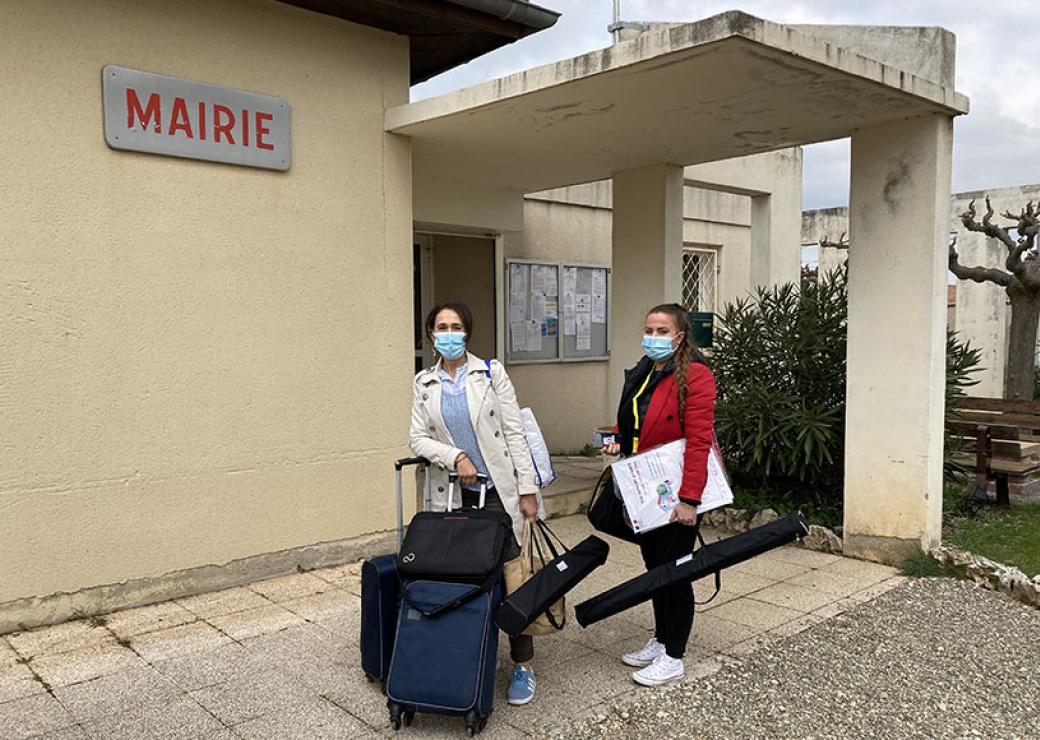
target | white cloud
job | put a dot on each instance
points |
(998, 144)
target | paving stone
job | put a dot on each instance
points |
(34, 715)
(8, 656)
(794, 597)
(152, 618)
(801, 556)
(255, 622)
(295, 586)
(209, 667)
(118, 693)
(756, 614)
(334, 603)
(308, 643)
(774, 570)
(17, 682)
(552, 650)
(860, 569)
(85, 664)
(178, 641)
(611, 635)
(716, 634)
(872, 592)
(223, 602)
(249, 697)
(827, 582)
(75, 732)
(315, 718)
(179, 719)
(736, 582)
(59, 638)
(363, 699)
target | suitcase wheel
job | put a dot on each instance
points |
(474, 722)
(396, 710)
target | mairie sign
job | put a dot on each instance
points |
(146, 112)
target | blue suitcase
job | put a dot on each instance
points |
(444, 664)
(381, 593)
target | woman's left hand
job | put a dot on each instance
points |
(529, 507)
(684, 514)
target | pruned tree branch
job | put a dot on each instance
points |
(978, 274)
(987, 227)
(842, 242)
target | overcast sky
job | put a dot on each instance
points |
(998, 67)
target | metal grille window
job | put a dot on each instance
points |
(700, 279)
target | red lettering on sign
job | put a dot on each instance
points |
(202, 120)
(223, 128)
(133, 109)
(179, 120)
(262, 130)
(245, 127)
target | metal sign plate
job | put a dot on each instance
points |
(146, 112)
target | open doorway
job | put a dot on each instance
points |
(450, 267)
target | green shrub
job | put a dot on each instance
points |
(779, 361)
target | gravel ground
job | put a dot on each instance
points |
(934, 658)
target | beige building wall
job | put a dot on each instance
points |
(190, 352)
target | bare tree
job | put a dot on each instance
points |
(1020, 278)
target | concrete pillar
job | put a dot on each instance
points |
(647, 241)
(899, 206)
(982, 312)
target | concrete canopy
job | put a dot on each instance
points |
(727, 86)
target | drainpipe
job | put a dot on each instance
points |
(517, 11)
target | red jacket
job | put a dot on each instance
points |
(662, 425)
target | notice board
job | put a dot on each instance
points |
(557, 312)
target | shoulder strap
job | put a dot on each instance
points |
(718, 573)
(487, 369)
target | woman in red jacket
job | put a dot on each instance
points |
(668, 395)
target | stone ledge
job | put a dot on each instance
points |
(989, 574)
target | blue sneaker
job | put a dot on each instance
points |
(521, 687)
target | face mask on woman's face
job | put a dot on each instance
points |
(658, 348)
(451, 345)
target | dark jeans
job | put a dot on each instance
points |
(521, 649)
(673, 605)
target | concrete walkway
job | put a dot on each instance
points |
(279, 658)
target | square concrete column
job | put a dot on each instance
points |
(647, 242)
(899, 206)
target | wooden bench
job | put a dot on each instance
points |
(1005, 436)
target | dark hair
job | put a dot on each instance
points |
(460, 308)
(686, 352)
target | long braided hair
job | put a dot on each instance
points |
(685, 353)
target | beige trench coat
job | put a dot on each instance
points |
(495, 415)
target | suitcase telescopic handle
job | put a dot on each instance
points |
(483, 479)
(398, 465)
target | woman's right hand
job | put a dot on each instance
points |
(611, 449)
(466, 471)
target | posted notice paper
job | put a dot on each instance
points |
(649, 485)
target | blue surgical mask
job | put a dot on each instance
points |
(451, 345)
(658, 348)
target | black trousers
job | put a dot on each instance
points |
(521, 649)
(673, 605)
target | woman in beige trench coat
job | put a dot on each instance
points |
(465, 419)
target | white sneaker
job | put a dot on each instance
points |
(664, 669)
(645, 655)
